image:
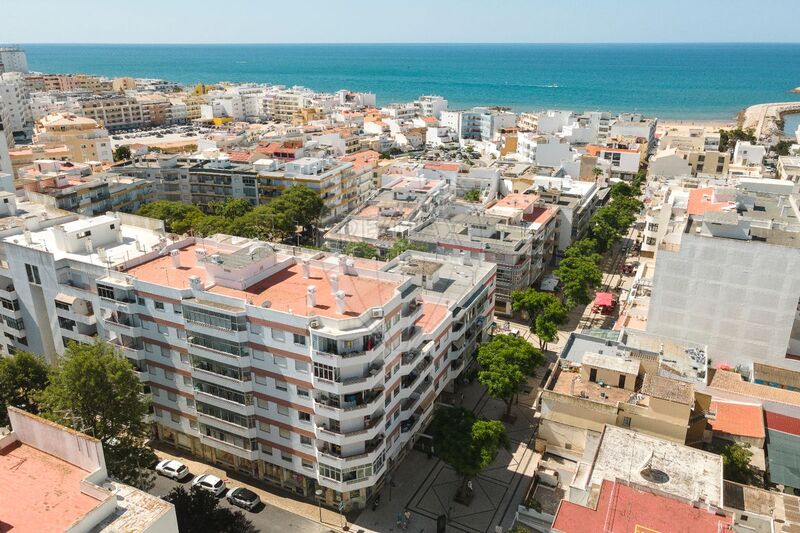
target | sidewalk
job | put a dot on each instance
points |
(269, 494)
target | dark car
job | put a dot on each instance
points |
(244, 498)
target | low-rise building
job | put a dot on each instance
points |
(83, 137)
(58, 481)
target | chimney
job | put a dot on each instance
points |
(340, 304)
(176, 258)
(195, 283)
(311, 296)
(334, 283)
(350, 267)
(342, 265)
(200, 253)
(28, 238)
(306, 269)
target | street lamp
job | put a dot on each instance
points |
(318, 492)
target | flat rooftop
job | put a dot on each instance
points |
(571, 383)
(658, 464)
(285, 290)
(45, 491)
(136, 510)
(626, 508)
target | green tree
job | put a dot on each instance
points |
(198, 511)
(401, 246)
(584, 248)
(94, 390)
(23, 376)
(211, 225)
(465, 442)
(264, 222)
(231, 208)
(361, 249)
(728, 138)
(597, 172)
(545, 313)
(579, 276)
(506, 362)
(122, 153)
(736, 462)
(473, 195)
(303, 205)
(782, 147)
(177, 216)
(622, 189)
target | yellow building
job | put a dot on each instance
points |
(84, 138)
(625, 392)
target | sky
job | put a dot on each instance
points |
(398, 21)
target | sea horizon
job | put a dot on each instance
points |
(686, 81)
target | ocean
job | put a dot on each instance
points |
(688, 81)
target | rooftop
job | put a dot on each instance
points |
(624, 508)
(573, 384)
(732, 382)
(740, 419)
(612, 362)
(668, 389)
(45, 491)
(672, 468)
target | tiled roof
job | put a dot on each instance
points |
(741, 419)
(783, 423)
(668, 389)
(700, 202)
(733, 382)
(625, 509)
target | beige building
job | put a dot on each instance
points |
(619, 391)
(114, 111)
(708, 162)
(84, 138)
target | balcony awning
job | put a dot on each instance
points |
(65, 298)
(604, 299)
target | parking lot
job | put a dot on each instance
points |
(267, 518)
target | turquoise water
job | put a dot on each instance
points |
(700, 81)
(791, 123)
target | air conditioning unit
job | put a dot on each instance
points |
(314, 323)
(377, 312)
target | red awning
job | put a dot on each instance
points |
(604, 299)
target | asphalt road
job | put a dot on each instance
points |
(268, 518)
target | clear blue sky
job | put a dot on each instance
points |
(350, 21)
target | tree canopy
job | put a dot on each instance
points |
(736, 462)
(361, 249)
(728, 138)
(401, 246)
(22, 378)
(545, 313)
(122, 153)
(466, 443)
(297, 206)
(96, 391)
(198, 511)
(506, 362)
(473, 195)
(579, 275)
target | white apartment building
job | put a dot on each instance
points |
(479, 123)
(354, 100)
(576, 201)
(227, 104)
(789, 168)
(728, 272)
(15, 95)
(13, 60)
(748, 154)
(431, 106)
(544, 150)
(298, 367)
(6, 140)
(636, 126)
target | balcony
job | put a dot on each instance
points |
(123, 325)
(332, 405)
(335, 436)
(371, 450)
(229, 447)
(242, 431)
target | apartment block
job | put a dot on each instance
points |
(83, 137)
(113, 111)
(302, 368)
(13, 59)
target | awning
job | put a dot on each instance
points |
(604, 299)
(65, 298)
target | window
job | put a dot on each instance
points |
(300, 339)
(325, 372)
(162, 329)
(190, 403)
(256, 329)
(308, 464)
(283, 410)
(156, 392)
(266, 449)
(158, 305)
(303, 393)
(33, 274)
(281, 385)
(305, 441)
(215, 319)
(264, 426)
(278, 335)
(396, 414)
(279, 361)
(187, 380)
(169, 375)
(301, 366)
(175, 417)
(172, 396)
(286, 457)
(303, 417)
(262, 404)
(258, 354)
(284, 433)
(626, 421)
(261, 380)
(63, 323)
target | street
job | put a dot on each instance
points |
(268, 519)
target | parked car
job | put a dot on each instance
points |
(172, 469)
(244, 498)
(210, 483)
